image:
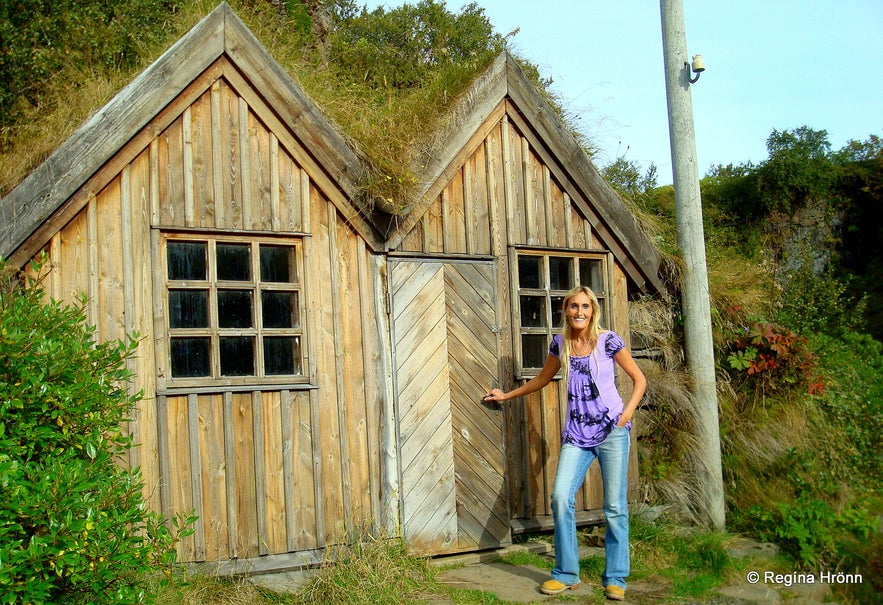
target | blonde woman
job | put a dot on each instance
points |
(597, 426)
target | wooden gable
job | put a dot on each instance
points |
(504, 150)
(216, 77)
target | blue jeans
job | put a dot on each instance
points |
(573, 464)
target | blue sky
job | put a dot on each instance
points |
(771, 64)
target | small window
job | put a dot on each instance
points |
(543, 281)
(234, 310)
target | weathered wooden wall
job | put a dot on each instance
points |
(501, 193)
(268, 471)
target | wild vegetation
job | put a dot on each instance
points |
(794, 253)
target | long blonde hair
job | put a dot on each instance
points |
(567, 330)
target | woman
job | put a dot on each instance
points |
(597, 426)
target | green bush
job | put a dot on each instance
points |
(73, 524)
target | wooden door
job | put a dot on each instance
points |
(451, 445)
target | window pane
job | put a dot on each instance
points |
(560, 273)
(533, 311)
(234, 309)
(279, 309)
(590, 275)
(187, 260)
(234, 262)
(237, 356)
(282, 355)
(557, 311)
(277, 264)
(190, 357)
(529, 271)
(188, 308)
(534, 350)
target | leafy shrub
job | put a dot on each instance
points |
(775, 357)
(73, 524)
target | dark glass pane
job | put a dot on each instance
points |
(529, 271)
(533, 311)
(234, 309)
(277, 264)
(237, 356)
(234, 262)
(190, 357)
(188, 308)
(534, 350)
(590, 275)
(279, 309)
(557, 311)
(282, 355)
(560, 273)
(186, 260)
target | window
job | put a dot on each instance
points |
(543, 280)
(234, 310)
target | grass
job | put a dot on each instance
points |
(678, 564)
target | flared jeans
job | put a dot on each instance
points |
(573, 464)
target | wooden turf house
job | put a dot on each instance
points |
(311, 365)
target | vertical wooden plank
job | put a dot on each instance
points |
(165, 470)
(508, 180)
(274, 488)
(456, 231)
(140, 295)
(232, 486)
(259, 173)
(229, 134)
(318, 474)
(129, 298)
(92, 266)
(154, 157)
(55, 267)
(568, 221)
(213, 477)
(290, 201)
(288, 418)
(187, 167)
(202, 149)
(390, 487)
(549, 208)
(259, 472)
(478, 219)
(433, 225)
(372, 371)
(307, 509)
(106, 258)
(246, 491)
(245, 167)
(171, 176)
(217, 156)
(529, 199)
(180, 467)
(196, 476)
(275, 202)
(338, 312)
(306, 201)
(354, 389)
(323, 318)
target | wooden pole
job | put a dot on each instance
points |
(691, 238)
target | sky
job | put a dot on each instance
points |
(770, 65)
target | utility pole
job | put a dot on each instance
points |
(691, 238)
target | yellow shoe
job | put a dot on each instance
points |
(554, 587)
(614, 593)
